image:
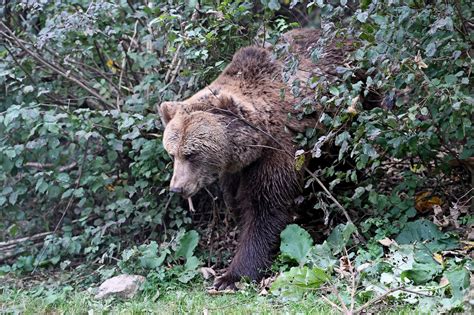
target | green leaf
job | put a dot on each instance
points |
(419, 231)
(334, 90)
(149, 258)
(320, 255)
(295, 243)
(187, 244)
(274, 5)
(291, 285)
(459, 282)
(430, 49)
(340, 236)
(13, 197)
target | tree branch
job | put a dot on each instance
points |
(55, 68)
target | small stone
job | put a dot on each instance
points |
(125, 286)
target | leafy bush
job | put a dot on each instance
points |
(80, 151)
(399, 153)
(412, 269)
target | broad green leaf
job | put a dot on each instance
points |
(291, 285)
(295, 243)
(149, 258)
(459, 282)
(419, 231)
(321, 256)
(340, 236)
(187, 244)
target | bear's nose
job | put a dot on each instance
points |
(178, 190)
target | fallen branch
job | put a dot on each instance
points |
(35, 237)
(10, 249)
(124, 61)
(43, 166)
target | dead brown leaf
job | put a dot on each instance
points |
(387, 242)
(207, 272)
(424, 201)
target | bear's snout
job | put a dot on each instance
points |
(184, 180)
(178, 190)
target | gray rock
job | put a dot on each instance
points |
(125, 286)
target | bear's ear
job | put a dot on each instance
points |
(167, 110)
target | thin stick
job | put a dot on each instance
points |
(332, 304)
(383, 296)
(346, 214)
(124, 61)
(24, 239)
(353, 281)
(191, 206)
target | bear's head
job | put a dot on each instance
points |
(196, 140)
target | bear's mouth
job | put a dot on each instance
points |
(188, 193)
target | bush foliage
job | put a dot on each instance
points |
(81, 158)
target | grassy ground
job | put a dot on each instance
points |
(50, 297)
(194, 300)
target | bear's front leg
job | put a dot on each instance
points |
(265, 195)
(259, 239)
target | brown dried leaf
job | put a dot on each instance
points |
(419, 61)
(425, 202)
(207, 272)
(387, 242)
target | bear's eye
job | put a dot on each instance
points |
(189, 155)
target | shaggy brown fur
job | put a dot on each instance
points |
(233, 131)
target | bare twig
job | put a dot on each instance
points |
(383, 296)
(173, 62)
(353, 281)
(42, 166)
(191, 206)
(124, 60)
(24, 239)
(332, 303)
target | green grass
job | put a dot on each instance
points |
(193, 300)
(51, 296)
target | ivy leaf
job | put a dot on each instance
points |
(295, 243)
(430, 49)
(274, 5)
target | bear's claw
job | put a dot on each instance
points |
(225, 282)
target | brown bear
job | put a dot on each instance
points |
(238, 131)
